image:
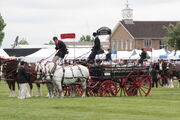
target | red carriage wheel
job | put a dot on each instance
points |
(108, 88)
(79, 90)
(121, 87)
(137, 83)
(93, 89)
(66, 90)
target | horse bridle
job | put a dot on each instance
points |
(40, 72)
(8, 73)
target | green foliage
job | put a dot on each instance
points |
(162, 104)
(23, 42)
(50, 43)
(2, 26)
(173, 36)
(86, 38)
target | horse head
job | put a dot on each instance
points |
(40, 70)
(9, 68)
(50, 69)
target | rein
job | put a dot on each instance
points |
(48, 56)
(82, 55)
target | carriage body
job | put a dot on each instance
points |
(114, 72)
(124, 80)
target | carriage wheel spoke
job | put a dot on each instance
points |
(143, 91)
(140, 92)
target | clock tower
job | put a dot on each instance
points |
(127, 14)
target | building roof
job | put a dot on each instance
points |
(147, 29)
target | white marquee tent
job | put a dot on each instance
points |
(83, 53)
(48, 54)
(3, 54)
(172, 55)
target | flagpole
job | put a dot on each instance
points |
(74, 50)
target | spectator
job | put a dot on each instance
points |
(154, 74)
(22, 80)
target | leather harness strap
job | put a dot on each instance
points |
(62, 81)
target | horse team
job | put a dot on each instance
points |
(55, 76)
(167, 72)
(67, 79)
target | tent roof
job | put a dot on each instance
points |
(3, 54)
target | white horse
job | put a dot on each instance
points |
(66, 75)
(41, 76)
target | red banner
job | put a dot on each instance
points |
(68, 36)
(148, 49)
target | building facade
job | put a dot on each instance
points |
(139, 34)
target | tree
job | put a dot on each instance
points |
(173, 36)
(86, 38)
(2, 25)
(50, 43)
(23, 42)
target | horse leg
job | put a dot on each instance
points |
(50, 89)
(179, 82)
(56, 91)
(10, 88)
(73, 92)
(170, 82)
(59, 85)
(39, 93)
(13, 89)
(83, 84)
(165, 83)
(9, 85)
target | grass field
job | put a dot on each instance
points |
(161, 104)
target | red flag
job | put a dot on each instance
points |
(68, 36)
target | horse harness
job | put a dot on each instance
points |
(63, 76)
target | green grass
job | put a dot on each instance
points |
(161, 104)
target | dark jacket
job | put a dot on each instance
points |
(61, 46)
(22, 75)
(154, 74)
(143, 55)
(164, 65)
(97, 45)
(108, 56)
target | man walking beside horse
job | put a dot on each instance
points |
(22, 80)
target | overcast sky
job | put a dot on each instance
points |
(39, 20)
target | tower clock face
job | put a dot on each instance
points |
(127, 14)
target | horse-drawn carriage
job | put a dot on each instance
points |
(123, 80)
(92, 80)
